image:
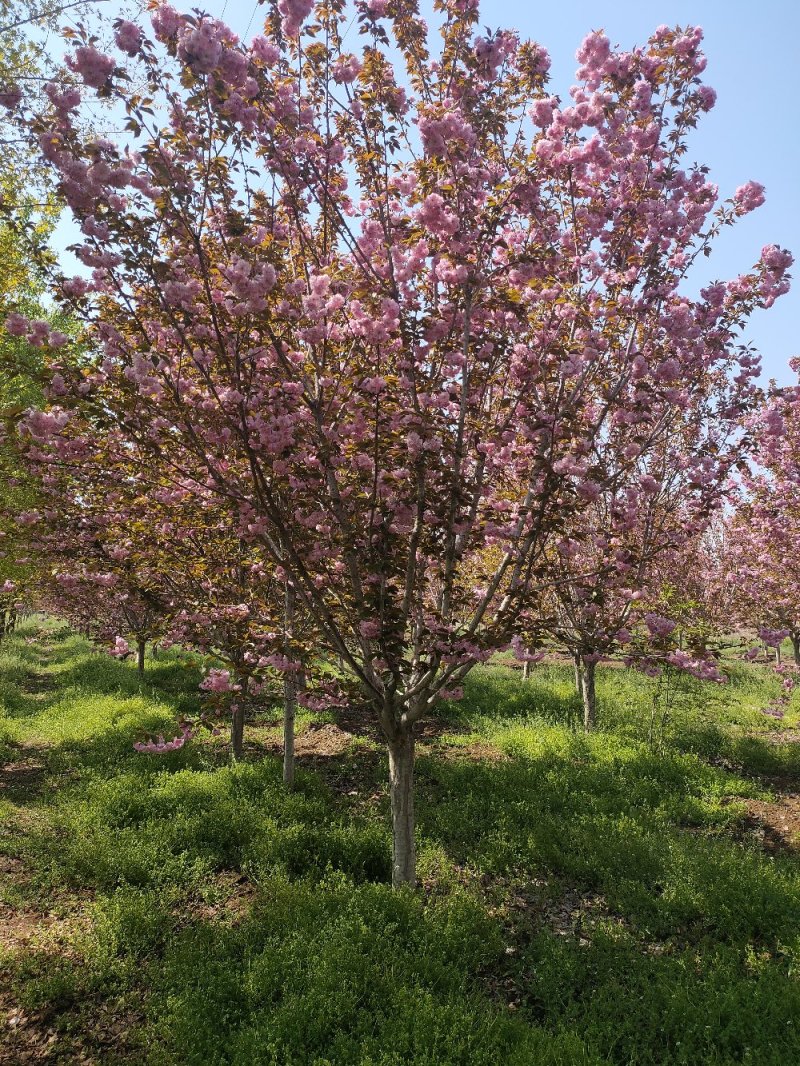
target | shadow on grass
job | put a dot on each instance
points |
(650, 833)
(496, 694)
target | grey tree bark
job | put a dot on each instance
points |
(289, 691)
(140, 647)
(237, 725)
(401, 787)
(588, 694)
(578, 682)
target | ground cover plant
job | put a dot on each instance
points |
(613, 898)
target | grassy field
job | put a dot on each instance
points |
(628, 898)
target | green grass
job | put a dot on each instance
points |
(584, 900)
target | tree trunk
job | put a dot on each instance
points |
(526, 671)
(796, 647)
(140, 646)
(578, 675)
(401, 784)
(11, 620)
(237, 725)
(289, 691)
(289, 709)
(778, 654)
(588, 694)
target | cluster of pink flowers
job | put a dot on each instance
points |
(10, 96)
(437, 217)
(219, 681)
(200, 47)
(772, 637)
(658, 626)
(293, 14)
(703, 669)
(93, 66)
(438, 133)
(748, 197)
(160, 746)
(37, 333)
(120, 649)
(128, 37)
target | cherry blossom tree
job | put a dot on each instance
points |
(386, 305)
(764, 568)
(133, 556)
(611, 574)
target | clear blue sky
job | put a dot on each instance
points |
(752, 133)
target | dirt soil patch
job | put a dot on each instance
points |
(775, 825)
(22, 780)
(479, 749)
(39, 684)
(318, 741)
(323, 740)
(780, 736)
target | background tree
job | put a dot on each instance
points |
(764, 572)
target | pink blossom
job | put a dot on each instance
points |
(541, 111)
(166, 21)
(93, 66)
(76, 286)
(161, 746)
(748, 197)
(10, 96)
(772, 637)
(437, 217)
(376, 8)
(592, 55)
(707, 97)
(219, 681)
(200, 47)
(17, 325)
(120, 648)
(293, 15)
(776, 259)
(456, 693)
(346, 70)
(128, 37)
(265, 50)
(659, 626)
